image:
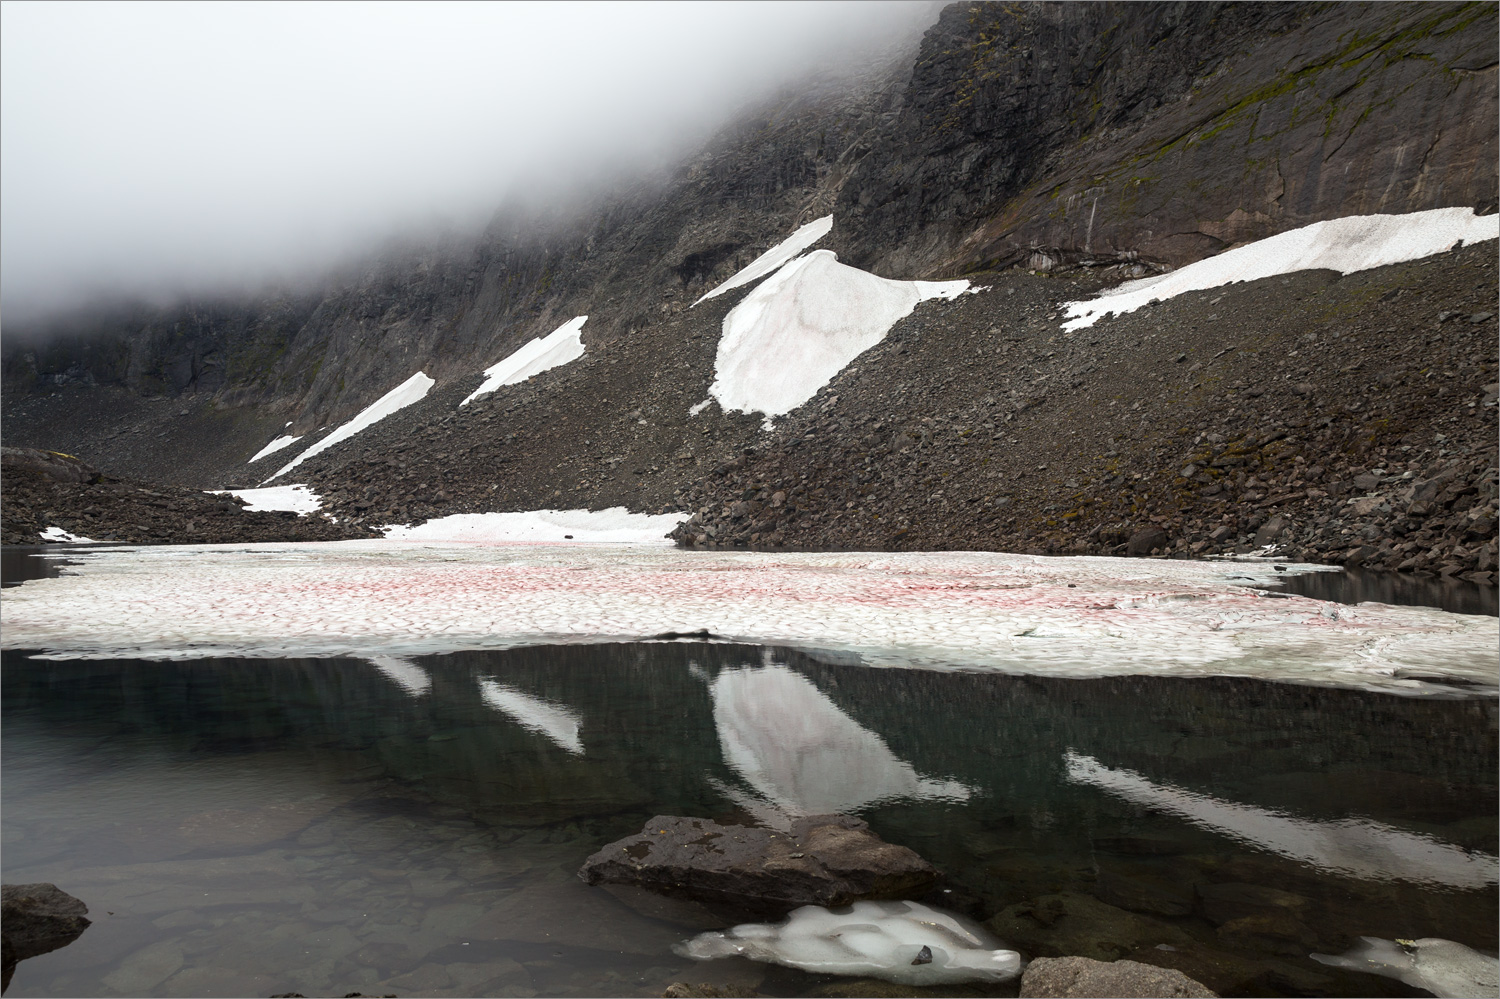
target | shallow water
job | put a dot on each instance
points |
(414, 826)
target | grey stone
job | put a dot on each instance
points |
(823, 860)
(1082, 977)
(37, 918)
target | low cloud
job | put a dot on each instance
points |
(154, 149)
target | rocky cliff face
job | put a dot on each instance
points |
(1046, 150)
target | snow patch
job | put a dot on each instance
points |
(775, 256)
(57, 534)
(274, 446)
(615, 524)
(1346, 245)
(873, 939)
(698, 407)
(803, 325)
(414, 389)
(562, 345)
(1445, 968)
(556, 722)
(298, 498)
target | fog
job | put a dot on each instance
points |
(155, 149)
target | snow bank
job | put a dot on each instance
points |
(1354, 847)
(414, 389)
(1346, 245)
(273, 447)
(562, 345)
(938, 610)
(57, 534)
(775, 256)
(803, 325)
(298, 498)
(615, 524)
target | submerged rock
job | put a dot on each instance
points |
(904, 942)
(1083, 977)
(1443, 967)
(35, 919)
(823, 859)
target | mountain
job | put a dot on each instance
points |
(1041, 152)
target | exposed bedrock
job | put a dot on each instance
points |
(826, 860)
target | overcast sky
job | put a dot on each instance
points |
(151, 148)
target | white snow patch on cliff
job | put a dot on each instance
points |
(273, 447)
(414, 389)
(298, 498)
(562, 345)
(775, 256)
(803, 325)
(57, 534)
(1346, 245)
(615, 524)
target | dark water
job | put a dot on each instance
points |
(1353, 586)
(244, 827)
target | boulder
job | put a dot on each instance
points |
(822, 860)
(1081, 976)
(35, 919)
(52, 465)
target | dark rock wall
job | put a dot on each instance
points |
(1037, 133)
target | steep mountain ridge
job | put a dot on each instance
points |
(1046, 151)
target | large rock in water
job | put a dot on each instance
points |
(35, 919)
(1084, 977)
(823, 860)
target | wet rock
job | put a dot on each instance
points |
(1143, 891)
(35, 919)
(703, 990)
(1080, 976)
(824, 860)
(1072, 924)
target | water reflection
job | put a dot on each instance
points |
(404, 673)
(802, 755)
(556, 722)
(1360, 848)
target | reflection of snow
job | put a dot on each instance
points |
(1360, 848)
(1442, 967)
(803, 325)
(877, 939)
(414, 389)
(556, 722)
(1346, 245)
(802, 754)
(404, 673)
(540, 354)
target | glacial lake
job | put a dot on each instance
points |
(414, 824)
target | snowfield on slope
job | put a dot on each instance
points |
(775, 256)
(1071, 616)
(414, 389)
(285, 440)
(803, 325)
(539, 354)
(614, 525)
(1346, 245)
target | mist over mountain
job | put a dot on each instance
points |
(152, 151)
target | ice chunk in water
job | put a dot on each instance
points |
(1443, 967)
(873, 939)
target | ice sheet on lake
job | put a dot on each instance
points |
(274, 446)
(942, 610)
(802, 754)
(298, 498)
(403, 673)
(1355, 847)
(803, 325)
(874, 939)
(1443, 967)
(1346, 245)
(777, 255)
(556, 722)
(414, 389)
(613, 525)
(540, 354)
